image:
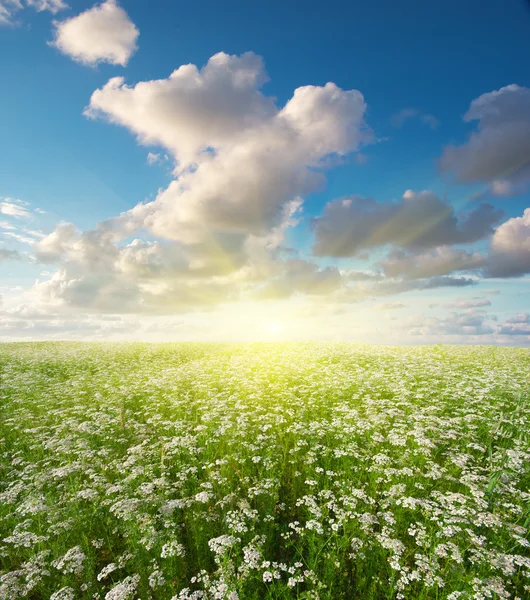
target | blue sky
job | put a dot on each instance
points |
(419, 67)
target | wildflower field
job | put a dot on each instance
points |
(276, 471)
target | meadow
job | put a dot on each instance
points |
(264, 471)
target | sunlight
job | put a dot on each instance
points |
(273, 328)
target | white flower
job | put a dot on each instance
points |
(71, 562)
(65, 593)
(124, 590)
(172, 549)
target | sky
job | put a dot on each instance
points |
(241, 171)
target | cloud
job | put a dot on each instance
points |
(390, 287)
(300, 276)
(55, 245)
(155, 158)
(6, 254)
(104, 33)
(441, 261)
(159, 277)
(447, 281)
(462, 303)
(363, 275)
(53, 6)
(468, 323)
(509, 254)
(390, 306)
(417, 221)
(517, 325)
(10, 8)
(519, 318)
(502, 188)
(28, 322)
(399, 119)
(218, 113)
(12, 207)
(243, 167)
(498, 151)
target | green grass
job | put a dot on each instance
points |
(276, 471)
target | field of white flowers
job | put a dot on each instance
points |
(277, 471)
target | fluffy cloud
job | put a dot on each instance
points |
(103, 33)
(498, 152)
(243, 165)
(510, 248)
(9, 8)
(117, 293)
(240, 159)
(199, 114)
(55, 245)
(417, 221)
(441, 261)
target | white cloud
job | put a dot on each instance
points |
(216, 234)
(498, 152)
(417, 221)
(10, 8)
(509, 255)
(217, 119)
(104, 33)
(17, 212)
(154, 276)
(14, 208)
(154, 158)
(55, 245)
(53, 6)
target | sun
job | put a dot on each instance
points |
(272, 328)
